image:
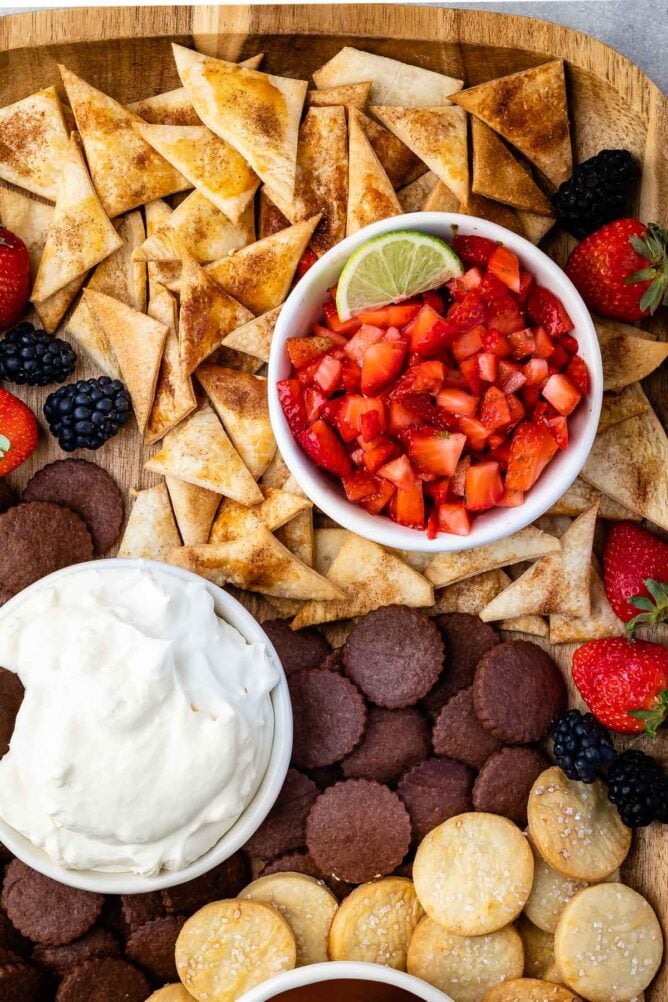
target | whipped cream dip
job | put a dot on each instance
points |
(146, 725)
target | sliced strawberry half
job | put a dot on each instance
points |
(381, 365)
(483, 486)
(560, 392)
(305, 350)
(504, 264)
(436, 452)
(531, 449)
(325, 448)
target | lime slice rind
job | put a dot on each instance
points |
(394, 267)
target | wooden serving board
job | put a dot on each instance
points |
(126, 53)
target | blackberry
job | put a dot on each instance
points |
(84, 415)
(581, 746)
(597, 193)
(35, 357)
(638, 787)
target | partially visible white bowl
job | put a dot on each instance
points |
(277, 755)
(343, 970)
(304, 306)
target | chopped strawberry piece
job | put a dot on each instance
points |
(511, 377)
(522, 342)
(363, 339)
(458, 478)
(314, 401)
(328, 375)
(558, 427)
(506, 316)
(407, 506)
(400, 417)
(471, 279)
(577, 372)
(330, 410)
(432, 525)
(306, 261)
(496, 342)
(381, 365)
(359, 485)
(469, 313)
(530, 395)
(501, 454)
(305, 350)
(351, 376)
(425, 377)
(379, 452)
(426, 412)
(531, 449)
(291, 400)
(453, 517)
(371, 425)
(428, 331)
(511, 499)
(306, 373)
(470, 372)
(395, 315)
(505, 265)
(515, 407)
(376, 502)
(488, 366)
(467, 344)
(337, 339)
(569, 344)
(494, 410)
(544, 343)
(475, 431)
(496, 440)
(473, 249)
(352, 412)
(483, 486)
(436, 452)
(558, 359)
(394, 334)
(438, 489)
(456, 401)
(432, 298)
(547, 310)
(561, 393)
(526, 281)
(492, 290)
(535, 370)
(333, 321)
(399, 472)
(325, 448)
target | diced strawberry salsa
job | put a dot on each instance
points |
(433, 410)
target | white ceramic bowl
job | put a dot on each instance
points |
(304, 306)
(342, 970)
(278, 753)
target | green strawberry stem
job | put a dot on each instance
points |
(653, 247)
(652, 611)
(655, 717)
(5, 446)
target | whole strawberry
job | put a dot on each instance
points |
(621, 270)
(635, 574)
(19, 432)
(624, 683)
(14, 278)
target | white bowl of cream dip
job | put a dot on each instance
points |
(155, 731)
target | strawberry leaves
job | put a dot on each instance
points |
(654, 610)
(5, 446)
(655, 717)
(653, 247)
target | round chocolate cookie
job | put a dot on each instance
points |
(151, 947)
(517, 691)
(395, 655)
(333, 661)
(44, 910)
(224, 881)
(298, 861)
(19, 982)
(284, 827)
(329, 717)
(459, 734)
(394, 740)
(466, 639)
(138, 909)
(11, 697)
(86, 489)
(58, 960)
(358, 830)
(38, 538)
(296, 649)
(505, 780)
(434, 791)
(106, 979)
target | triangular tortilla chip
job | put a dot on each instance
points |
(526, 544)
(629, 462)
(499, 175)
(526, 624)
(240, 401)
(581, 495)
(601, 622)
(392, 82)
(529, 109)
(326, 545)
(254, 338)
(53, 309)
(260, 275)
(321, 183)
(210, 164)
(354, 95)
(495, 212)
(370, 194)
(137, 342)
(270, 217)
(533, 226)
(201, 228)
(256, 562)
(618, 407)
(86, 330)
(194, 509)
(207, 315)
(399, 163)
(199, 451)
(437, 136)
(158, 214)
(126, 171)
(297, 535)
(627, 358)
(28, 219)
(235, 520)
(293, 487)
(413, 197)
(554, 525)
(34, 143)
(257, 113)
(120, 275)
(80, 235)
(557, 583)
(470, 595)
(441, 199)
(151, 532)
(277, 473)
(370, 577)
(174, 395)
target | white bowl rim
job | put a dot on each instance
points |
(336, 970)
(380, 529)
(233, 612)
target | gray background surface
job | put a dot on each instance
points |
(636, 28)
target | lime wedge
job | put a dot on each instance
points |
(393, 267)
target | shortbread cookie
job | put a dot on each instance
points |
(170, 993)
(375, 923)
(575, 828)
(550, 894)
(464, 967)
(529, 990)
(538, 948)
(306, 904)
(608, 943)
(228, 947)
(473, 873)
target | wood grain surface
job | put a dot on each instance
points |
(125, 52)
